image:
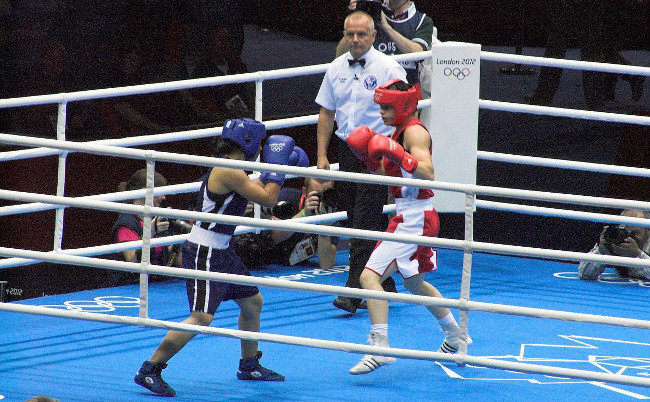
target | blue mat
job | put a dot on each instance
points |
(75, 360)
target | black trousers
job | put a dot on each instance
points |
(364, 204)
(582, 18)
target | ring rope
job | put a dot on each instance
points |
(320, 173)
(333, 290)
(332, 345)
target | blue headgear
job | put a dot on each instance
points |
(248, 133)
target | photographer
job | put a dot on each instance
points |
(129, 227)
(621, 241)
(290, 248)
(401, 29)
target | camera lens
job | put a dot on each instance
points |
(179, 226)
(616, 234)
(283, 210)
(372, 7)
(330, 197)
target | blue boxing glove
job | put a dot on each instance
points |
(278, 149)
(298, 157)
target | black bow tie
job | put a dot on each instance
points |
(362, 62)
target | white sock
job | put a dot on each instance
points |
(379, 328)
(447, 320)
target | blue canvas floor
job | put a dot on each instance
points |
(74, 360)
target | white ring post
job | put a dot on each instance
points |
(455, 80)
(470, 205)
(145, 259)
(257, 209)
(259, 100)
(61, 122)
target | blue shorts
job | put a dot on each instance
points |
(205, 296)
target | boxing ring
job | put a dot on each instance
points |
(459, 257)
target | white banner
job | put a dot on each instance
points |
(455, 83)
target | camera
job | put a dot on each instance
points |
(178, 226)
(281, 210)
(374, 8)
(616, 234)
(329, 197)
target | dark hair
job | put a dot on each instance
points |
(224, 146)
(138, 180)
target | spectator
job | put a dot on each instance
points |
(582, 18)
(51, 75)
(617, 14)
(621, 241)
(7, 63)
(186, 107)
(132, 115)
(291, 248)
(129, 227)
(224, 101)
(358, 71)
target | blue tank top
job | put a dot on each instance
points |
(226, 204)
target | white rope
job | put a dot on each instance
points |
(338, 216)
(296, 226)
(560, 112)
(563, 213)
(168, 240)
(312, 119)
(563, 63)
(329, 289)
(563, 164)
(320, 173)
(296, 72)
(331, 345)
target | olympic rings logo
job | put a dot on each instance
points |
(276, 147)
(458, 73)
(100, 304)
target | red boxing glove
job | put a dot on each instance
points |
(358, 143)
(380, 145)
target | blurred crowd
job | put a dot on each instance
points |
(58, 46)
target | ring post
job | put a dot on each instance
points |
(463, 314)
(455, 80)
(145, 258)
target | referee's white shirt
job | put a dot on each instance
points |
(350, 91)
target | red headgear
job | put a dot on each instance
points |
(404, 102)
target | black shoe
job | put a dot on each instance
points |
(251, 369)
(346, 303)
(149, 377)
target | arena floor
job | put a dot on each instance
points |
(74, 360)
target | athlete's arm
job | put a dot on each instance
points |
(404, 44)
(324, 131)
(416, 142)
(224, 180)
